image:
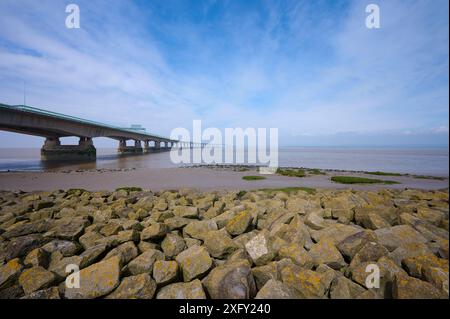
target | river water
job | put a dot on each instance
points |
(424, 161)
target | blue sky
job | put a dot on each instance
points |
(310, 68)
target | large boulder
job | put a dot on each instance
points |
(189, 290)
(165, 272)
(194, 262)
(239, 223)
(141, 286)
(274, 289)
(144, 262)
(219, 244)
(259, 248)
(231, 281)
(396, 236)
(172, 245)
(325, 252)
(405, 287)
(36, 278)
(10, 272)
(97, 280)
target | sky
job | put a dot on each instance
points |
(311, 68)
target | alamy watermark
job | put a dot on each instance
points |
(259, 145)
(373, 19)
(73, 19)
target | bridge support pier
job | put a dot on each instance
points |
(146, 147)
(124, 149)
(53, 150)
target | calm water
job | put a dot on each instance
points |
(404, 160)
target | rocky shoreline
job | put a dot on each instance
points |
(134, 243)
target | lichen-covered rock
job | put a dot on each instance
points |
(353, 243)
(185, 211)
(180, 290)
(405, 287)
(259, 248)
(197, 229)
(325, 252)
(154, 232)
(308, 283)
(297, 254)
(66, 247)
(37, 257)
(239, 223)
(219, 244)
(68, 228)
(49, 293)
(194, 262)
(172, 245)
(144, 262)
(10, 272)
(126, 252)
(231, 281)
(165, 272)
(343, 288)
(20, 246)
(97, 280)
(396, 236)
(141, 286)
(35, 278)
(274, 289)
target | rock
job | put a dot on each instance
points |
(416, 265)
(37, 257)
(436, 276)
(371, 251)
(259, 249)
(50, 293)
(38, 226)
(20, 246)
(165, 272)
(141, 286)
(198, 229)
(92, 255)
(144, 262)
(343, 288)
(189, 290)
(315, 220)
(409, 250)
(274, 289)
(35, 278)
(103, 216)
(325, 252)
(371, 221)
(128, 235)
(218, 243)
(231, 281)
(297, 254)
(353, 243)
(90, 239)
(308, 283)
(10, 272)
(65, 247)
(177, 222)
(194, 262)
(58, 264)
(68, 228)
(172, 245)
(185, 211)
(111, 229)
(433, 216)
(336, 232)
(264, 273)
(239, 223)
(396, 236)
(155, 232)
(126, 252)
(97, 280)
(405, 287)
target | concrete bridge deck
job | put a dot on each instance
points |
(52, 126)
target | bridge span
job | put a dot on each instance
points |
(52, 126)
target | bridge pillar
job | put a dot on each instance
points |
(123, 148)
(146, 147)
(157, 145)
(53, 150)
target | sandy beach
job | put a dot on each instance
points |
(201, 178)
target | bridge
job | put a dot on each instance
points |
(52, 126)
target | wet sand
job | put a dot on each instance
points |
(200, 178)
